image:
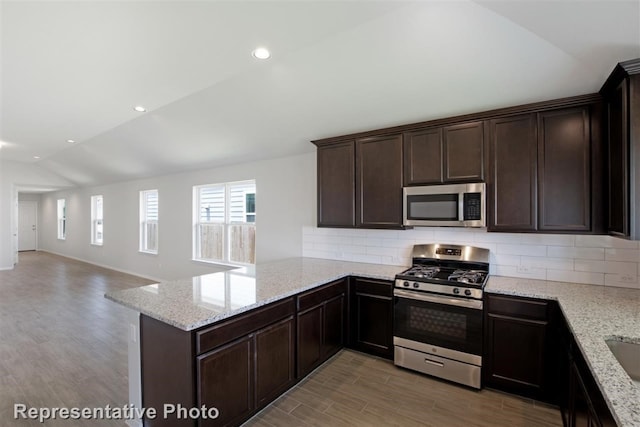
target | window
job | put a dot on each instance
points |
(97, 220)
(62, 219)
(224, 222)
(149, 221)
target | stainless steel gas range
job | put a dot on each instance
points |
(438, 312)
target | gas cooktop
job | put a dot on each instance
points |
(447, 269)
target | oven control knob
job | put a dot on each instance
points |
(467, 292)
(406, 284)
(456, 291)
(416, 285)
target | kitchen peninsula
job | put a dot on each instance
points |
(256, 332)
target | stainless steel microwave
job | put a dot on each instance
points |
(456, 205)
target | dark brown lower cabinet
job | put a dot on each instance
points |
(371, 316)
(237, 366)
(530, 351)
(321, 325)
(247, 373)
(519, 347)
(587, 407)
(275, 361)
(226, 381)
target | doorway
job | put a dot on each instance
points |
(27, 225)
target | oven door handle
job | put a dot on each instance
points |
(473, 304)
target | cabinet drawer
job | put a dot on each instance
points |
(373, 287)
(317, 296)
(518, 307)
(243, 324)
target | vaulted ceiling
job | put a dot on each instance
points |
(75, 70)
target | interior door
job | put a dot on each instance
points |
(27, 229)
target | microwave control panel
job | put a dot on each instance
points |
(472, 206)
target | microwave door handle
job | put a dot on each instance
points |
(461, 207)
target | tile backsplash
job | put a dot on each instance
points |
(598, 260)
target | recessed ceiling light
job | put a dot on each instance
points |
(139, 109)
(261, 53)
(71, 141)
(36, 157)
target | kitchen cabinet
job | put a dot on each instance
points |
(379, 182)
(237, 366)
(621, 93)
(360, 183)
(546, 171)
(512, 184)
(587, 407)
(226, 380)
(543, 164)
(371, 316)
(246, 374)
(519, 346)
(444, 154)
(321, 326)
(336, 185)
(564, 170)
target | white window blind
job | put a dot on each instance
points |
(224, 222)
(149, 221)
(97, 220)
(62, 219)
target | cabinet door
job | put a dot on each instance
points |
(379, 182)
(372, 317)
(336, 185)
(513, 169)
(516, 348)
(225, 381)
(333, 326)
(422, 151)
(464, 152)
(617, 113)
(274, 360)
(310, 350)
(564, 159)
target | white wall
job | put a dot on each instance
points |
(598, 260)
(13, 175)
(29, 197)
(285, 202)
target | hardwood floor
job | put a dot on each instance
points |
(354, 389)
(62, 344)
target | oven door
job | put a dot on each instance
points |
(451, 323)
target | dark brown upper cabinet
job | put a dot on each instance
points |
(513, 159)
(546, 171)
(463, 152)
(444, 154)
(543, 164)
(379, 182)
(621, 93)
(336, 185)
(423, 157)
(564, 170)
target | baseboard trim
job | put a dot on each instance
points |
(108, 267)
(6, 268)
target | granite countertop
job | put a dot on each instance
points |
(594, 314)
(199, 301)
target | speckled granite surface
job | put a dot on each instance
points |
(594, 314)
(191, 303)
